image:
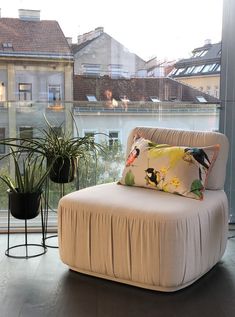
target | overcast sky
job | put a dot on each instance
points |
(168, 29)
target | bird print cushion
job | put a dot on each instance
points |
(174, 169)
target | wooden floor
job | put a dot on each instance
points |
(43, 286)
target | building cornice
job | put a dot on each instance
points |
(36, 55)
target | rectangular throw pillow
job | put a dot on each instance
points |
(174, 169)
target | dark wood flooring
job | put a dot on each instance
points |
(44, 286)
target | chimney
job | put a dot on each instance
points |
(29, 15)
(90, 35)
(207, 42)
(99, 30)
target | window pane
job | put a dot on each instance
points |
(91, 69)
(113, 138)
(54, 93)
(2, 92)
(25, 92)
(132, 72)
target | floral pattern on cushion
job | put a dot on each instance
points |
(173, 169)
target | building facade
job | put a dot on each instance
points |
(36, 73)
(201, 70)
(36, 63)
(98, 54)
(157, 68)
(161, 102)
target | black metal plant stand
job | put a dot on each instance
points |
(25, 245)
(46, 210)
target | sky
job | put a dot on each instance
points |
(166, 29)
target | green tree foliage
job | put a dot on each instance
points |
(104, 168)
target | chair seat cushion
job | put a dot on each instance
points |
(142, 237)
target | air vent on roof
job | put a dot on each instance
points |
(207, 41)
(29, 15)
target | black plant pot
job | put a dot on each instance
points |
(24, 205)
(62, 170)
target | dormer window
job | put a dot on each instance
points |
(200, 53)
(7, 45)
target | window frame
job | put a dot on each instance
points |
(54, 94)
(25, 91)
(116, 71)
(89, 69)
(2, 136)
(92, 131)
(115, 139)
(25, 128)
(209, 67)
(197, 69)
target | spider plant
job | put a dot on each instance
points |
(30, 173)
(51, 144)
(54, 147)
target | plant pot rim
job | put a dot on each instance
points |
(10, 191)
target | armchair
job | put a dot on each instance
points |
(147, 238)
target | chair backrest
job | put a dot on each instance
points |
(217, 175)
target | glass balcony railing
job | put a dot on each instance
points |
(109, 126)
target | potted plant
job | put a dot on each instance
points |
(25, 189)
(61, 150)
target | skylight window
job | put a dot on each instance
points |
(179, 71)
(196, 54)
(124, 99)
(154, 99)
(197, 69)
(200, 53)
(201, 99)
(203, 53)
(209, 68)
(189, 69)
(91, 98)
(7, 45)
(172, 72)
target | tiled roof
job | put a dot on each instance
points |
(136, 89)
(212, 53)
(20, 36)
(206, 60)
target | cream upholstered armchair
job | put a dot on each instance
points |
(143, 237)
